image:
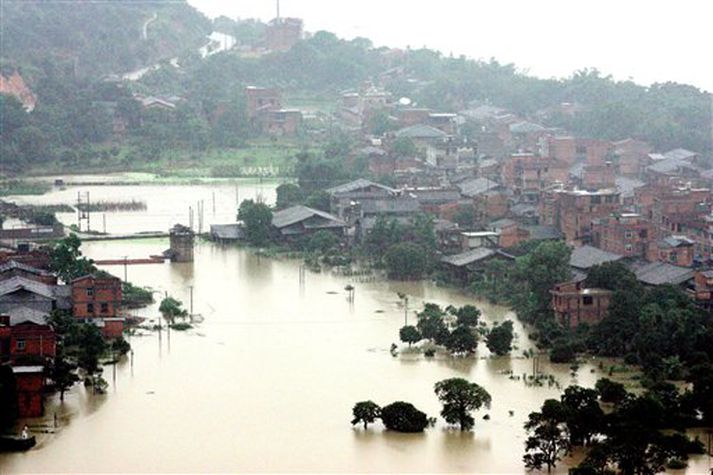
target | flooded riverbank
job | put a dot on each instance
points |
(267, 381)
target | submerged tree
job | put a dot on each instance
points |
(461, 397)
(171, 309)
(499, 340)
(403, 417)
(548, 439)
(365, 412)
(410, 334)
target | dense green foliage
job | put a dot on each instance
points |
(365, 412)
(67, 261)
(635, 437)
(171, 309)
(499, 339)
(402, 416)
(257, 218)
(406, 260)
(459, 398)
(547, 440)
(98, 37)
(410, 334)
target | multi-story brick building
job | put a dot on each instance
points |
(573, 211)
(677, 250)
(281, 34)
(573, 304)
(627, 234)
(97, 299)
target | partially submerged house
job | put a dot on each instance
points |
(298, 221)
(464, 266)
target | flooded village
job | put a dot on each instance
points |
(300, 261)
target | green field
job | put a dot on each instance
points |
(258, 158)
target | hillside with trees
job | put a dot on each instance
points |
(65, 52)
(97, 38)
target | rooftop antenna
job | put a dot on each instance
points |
(278, 12)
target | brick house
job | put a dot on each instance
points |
(30, 384)
(96, 297)
(573, 211)
(677, 250)
(26, 338)
(627, 234)
(281, 34)
(573, 304)
(703, 289)
(631, 156)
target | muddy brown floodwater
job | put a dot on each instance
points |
(267, 381)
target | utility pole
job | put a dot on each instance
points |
(214, 203)
(191, 289)
(125, 269)
(104, 222)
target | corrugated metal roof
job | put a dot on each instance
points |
(587, 256)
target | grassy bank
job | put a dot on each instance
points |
(258, 158)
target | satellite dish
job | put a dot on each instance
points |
(405, 101)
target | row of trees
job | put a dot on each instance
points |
(458, 330)
(458, 396)
(628, 436)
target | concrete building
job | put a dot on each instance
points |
(181, 241)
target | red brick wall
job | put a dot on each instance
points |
(29, 394)
(105, 291)
(40, 341)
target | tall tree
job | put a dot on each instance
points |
(548, 439)
(459, 398)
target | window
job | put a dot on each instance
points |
(105, 307)
(20, 344)
(90, 308)
(628, 247)
(90, 291)
(587, 300)
(627, 234)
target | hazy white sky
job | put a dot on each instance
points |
(645, 40)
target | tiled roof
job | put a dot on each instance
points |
(477, 186)
(542, 231)
(22, 314)
(9, 265)
(420, 131)
(586, 257)
(526, 127)
(680, 154)
(468, 257)
(660, 273)
(14, 284)
(227, 231)
(401, 204)
(295, 214)
(357, 185)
